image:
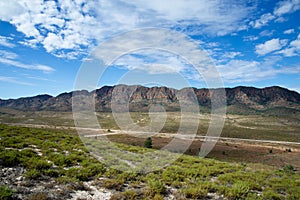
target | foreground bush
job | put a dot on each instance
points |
(5, 193)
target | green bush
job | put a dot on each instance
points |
(37, 163)
(65, 180)
(52, 172)
(113, 184)
(5, 193)
(127, 195)
(27, 153)
(86, 173)
(271, 195)
(239, 190)
(195, 192)
(158, 197)
(9, 158)
(155, 187)
(61, 160)
(289, 169)
(148, 143)
(130, 194)
(33, 174)
(253, 196)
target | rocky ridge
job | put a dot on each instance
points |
(141, 98)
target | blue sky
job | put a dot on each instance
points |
(44, 43)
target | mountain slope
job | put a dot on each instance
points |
(239, 99)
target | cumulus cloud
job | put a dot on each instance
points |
(231, 55)
(282, 8)
(286, 7)
(64, 25)
(270, 46)
(250, 38)
(289, 31)
(263, 20)
(293, 49)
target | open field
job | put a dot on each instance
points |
(241, 138)
(281, 128)
(46, 163)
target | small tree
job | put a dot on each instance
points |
(148, 143)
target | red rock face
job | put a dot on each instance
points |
(140, 98)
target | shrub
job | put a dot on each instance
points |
(38, 196)
(271, 151)
(148, 143)
(33, 174)
(52, 172)
(269, 194)
(9, 158)
(289, 169)
(127, 195)
(195, 192)
(158, 197)
(65, 180)
(27, 153)
(60, 160)
(37, 163)
(238, 190)
(5, 193)
(253, 196)
(118, 196)
(130, 194)
(113, 184)
(85, 173)
(155, 187)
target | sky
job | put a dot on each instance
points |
(44, 44)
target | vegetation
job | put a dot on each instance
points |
(148, 143)
(61, 156)
(5, 193)
(253, 126)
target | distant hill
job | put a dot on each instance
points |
(243, 100)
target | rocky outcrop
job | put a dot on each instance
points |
(140, 98)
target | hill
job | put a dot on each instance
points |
(246, 100)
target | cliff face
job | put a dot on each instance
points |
(140, 98)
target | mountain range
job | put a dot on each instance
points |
(240, 99)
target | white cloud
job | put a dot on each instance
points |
(7, 54)
(6, 41)
(266, 33)
(9, 8)
(66, 25)
(296, 43)
(293, 49)
(250, 38)
(39, 67)
(240, 71)
(282, 8)
(7, 57)
(152, 62)
(289, 31)
(262, 21)
(270, 46)
(286, 7)
(13, 80)
(231, 55)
